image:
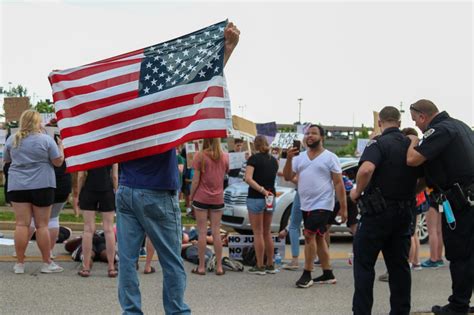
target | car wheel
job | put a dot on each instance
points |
(284, 221)
(423, 229)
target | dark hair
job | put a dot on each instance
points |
(238, 140)
(321, 129)
(389, 113)
(261, 144)
(410, 131)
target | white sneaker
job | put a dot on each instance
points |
(51, 268)
(19, 268)
(291, 266)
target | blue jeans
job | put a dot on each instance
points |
(156, 213)
(295, 224)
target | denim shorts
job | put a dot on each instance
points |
(257, 205)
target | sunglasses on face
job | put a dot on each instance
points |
(413, 108)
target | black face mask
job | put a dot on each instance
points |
(314, 144)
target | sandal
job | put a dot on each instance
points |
(152, 270)
(112, 273)
(195, 270)
(85, 273)
(220, 273)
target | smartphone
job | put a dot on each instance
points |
(297, 144)
(284, 154)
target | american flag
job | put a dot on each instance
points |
(144, 102)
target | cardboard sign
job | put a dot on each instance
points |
(3, 136)
(46, 118)
(238, 242)
(236, 160)
(285, 140)
(361, 144)
(191, 149)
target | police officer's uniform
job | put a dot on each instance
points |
(448, 146)
(385, 222)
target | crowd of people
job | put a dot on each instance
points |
(143, 196)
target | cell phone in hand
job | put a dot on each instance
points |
(297, 144)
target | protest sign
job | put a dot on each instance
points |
(238, 242)
(285, 140)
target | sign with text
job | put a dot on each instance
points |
(285, 140)
(46, 118)
(361, 144)
(236, 160)
(238, 242)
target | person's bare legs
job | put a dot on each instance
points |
(41, 215)
(267, 237)
(108, 224)
(323, 251)
(433, 222)
(439, 232)
(150, 251)
(23, 213)
(414, 256)
(309, 250)
(53, 237)
(201, 221)
(89, 229)
(256, 222)
(216, 237)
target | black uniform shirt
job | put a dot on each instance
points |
(392, 175)
(448, 146)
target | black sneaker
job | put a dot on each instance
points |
(445, 310)
(305, 281)
(326, 278)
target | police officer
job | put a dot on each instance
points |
(385, 193)
(447, 154)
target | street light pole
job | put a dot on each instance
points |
(299, 114)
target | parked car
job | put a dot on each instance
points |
(236, 214)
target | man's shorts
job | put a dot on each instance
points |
(352, 212)
(102, 201)
(315, 221)
(43, 197)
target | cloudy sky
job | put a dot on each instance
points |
(345, 59)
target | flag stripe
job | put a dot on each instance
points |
(147, 151)
(109, 74)
(153, 108)
(210, 102)
(185, 111)
(86, 107)
(94, 87)
(84, 113)
(175, 124)
(84, 72)
(98, 95)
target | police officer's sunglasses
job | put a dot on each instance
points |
(413, 108)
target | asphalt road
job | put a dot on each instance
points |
(233, 293)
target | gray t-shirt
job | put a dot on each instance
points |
(31, 166)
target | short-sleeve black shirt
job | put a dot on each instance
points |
(392, 175)
(448, 146)
(265, 170)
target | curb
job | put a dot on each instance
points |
(74, 226)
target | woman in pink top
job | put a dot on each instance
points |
(207, 192)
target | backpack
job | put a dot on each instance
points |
(248, 256)
(232, 265)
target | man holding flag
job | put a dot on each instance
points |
(135, 108)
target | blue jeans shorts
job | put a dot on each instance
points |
(257, 205)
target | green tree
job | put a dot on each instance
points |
(44, 106)
(17, 91)
(351, 147)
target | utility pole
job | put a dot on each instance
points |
(242, 107)
(299, 115)
(401, 108)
